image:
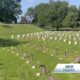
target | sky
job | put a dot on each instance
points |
(31, 3)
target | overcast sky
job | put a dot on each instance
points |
(30, 3)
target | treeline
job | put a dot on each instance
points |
(10, 10)
(55, 14)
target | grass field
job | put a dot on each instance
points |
(23, 48)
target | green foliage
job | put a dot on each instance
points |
(71, 18)
(9, 10)
(56, 14)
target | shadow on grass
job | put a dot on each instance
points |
(9, 43)
(7, 26)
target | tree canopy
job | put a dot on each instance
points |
(9, 10)
(55, 14)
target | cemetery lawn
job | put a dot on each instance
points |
(49, 52)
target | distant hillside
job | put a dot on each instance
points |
(7, 29)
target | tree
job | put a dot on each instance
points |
(55, 14)
(71, 18)
(30, 14)
(58, 11)
(51, 1)
(40, 16)
(23, 20)
(9, 10)
(78, 20)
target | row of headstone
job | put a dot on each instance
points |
(49, 35)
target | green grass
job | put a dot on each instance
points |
(12, 67)
(8, 29)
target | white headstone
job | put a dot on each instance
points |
(33, 67)
(27, 61)
(69, 42)
(12, 36)
(17, 54)
(37, 74)
(64, 40)
(51, 54)
(75, 43)
(18, 36)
